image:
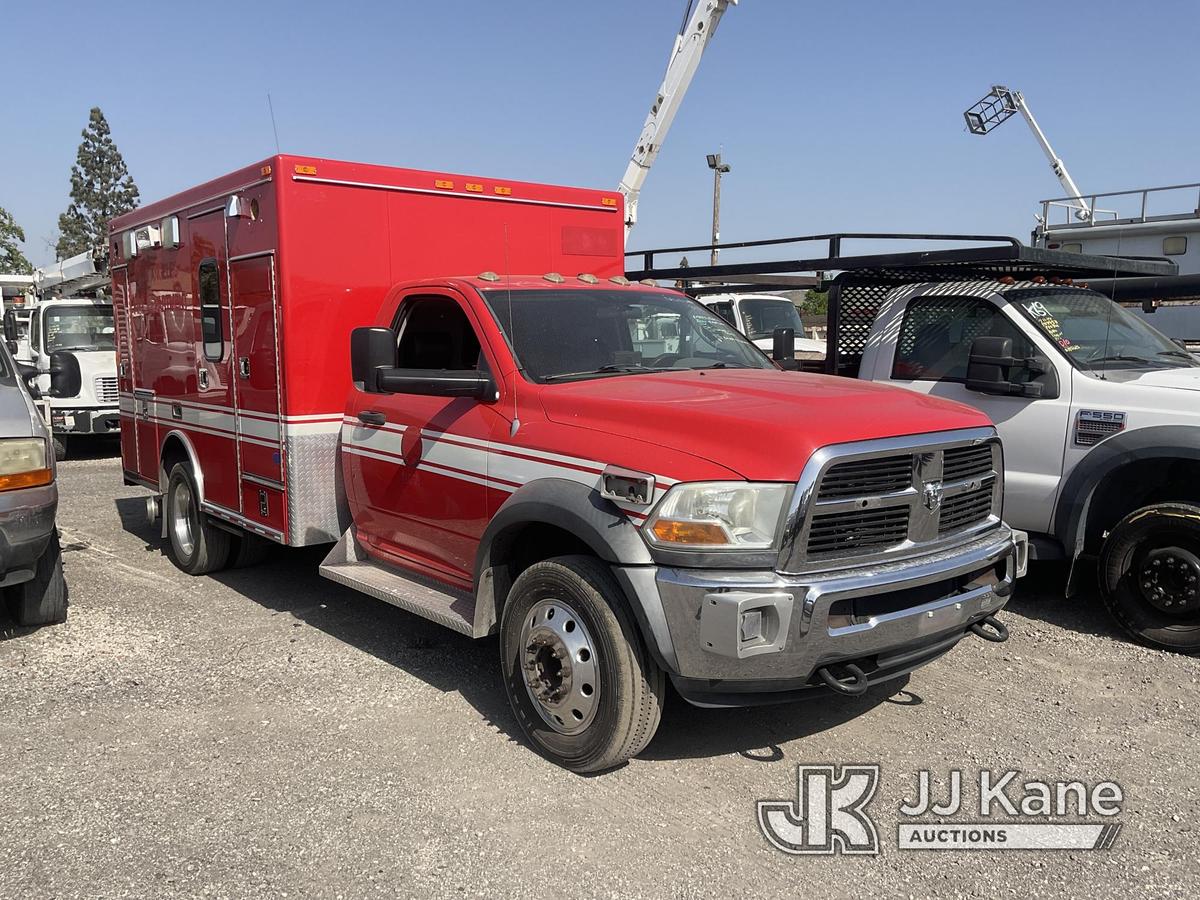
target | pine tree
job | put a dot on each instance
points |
(12, 260)
(101, 188)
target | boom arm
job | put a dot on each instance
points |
(998, 106)
(681, 67)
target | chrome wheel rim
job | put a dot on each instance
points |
(558, 662)
(181, 526)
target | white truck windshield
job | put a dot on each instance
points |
(762, 315)
(83, 327)
(1096, 333)
(568, 335)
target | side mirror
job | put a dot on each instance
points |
(65, 379)
(12, 345)
(371, 350)
(990, 371)
(783, 347)
(29, 375)
(438, 383)
(10, 326)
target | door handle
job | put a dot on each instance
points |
(370, 417)
(244, 366)
(202, 378)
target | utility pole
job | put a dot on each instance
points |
(719, 168)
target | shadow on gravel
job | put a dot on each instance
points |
(92, 447)
(288, 583)
(1040, 595)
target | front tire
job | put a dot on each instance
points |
(43, 600)
(1150, 575)
(195, 545)
(581, 684)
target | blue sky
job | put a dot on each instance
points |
(835, 116)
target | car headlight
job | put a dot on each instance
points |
(24, 462)
(718, 515)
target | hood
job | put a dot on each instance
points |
(763, 424)
(1185, 379)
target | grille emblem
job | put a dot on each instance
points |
(933, 494)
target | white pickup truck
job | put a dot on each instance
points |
(757, 316)
(1099, 413)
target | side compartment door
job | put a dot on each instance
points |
(255, 343)
(930, 355)
(206, 410)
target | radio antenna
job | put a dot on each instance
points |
(512, 336)
(271, 107)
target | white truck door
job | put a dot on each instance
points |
(922, 343)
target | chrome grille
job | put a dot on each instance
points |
(892, 498)
(965, 509)
(106, 389)
(841, 534)
(867, 476)
(960, 463)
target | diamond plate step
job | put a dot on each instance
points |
(347, 564)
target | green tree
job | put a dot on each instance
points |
(12, 260)
(816, 303)
(101, 188)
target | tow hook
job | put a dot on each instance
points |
(996, 632)
(853, 688)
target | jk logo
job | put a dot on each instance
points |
(829, 815)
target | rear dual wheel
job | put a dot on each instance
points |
(581, 684)
(195, 545)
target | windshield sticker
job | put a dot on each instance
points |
(1049, 324)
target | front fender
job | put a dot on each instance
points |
(1075, 499)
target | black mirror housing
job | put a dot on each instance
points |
(65, 379)
(438, 383)
(990, 366)
(371, 351)
(783, 347)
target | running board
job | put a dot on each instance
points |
(348, 564)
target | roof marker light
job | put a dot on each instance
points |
(443, 184)
(649, 282)
(1007, 279)
(608, 201)
(488, 276)
(588, 278)
(619, 279)
(265, 171)
(554, 278)
(474, 187)
(1038, 279)
(502, 190)
(306, 170)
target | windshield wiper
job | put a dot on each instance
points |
(603, 370)
(1181, 354)
(1123, 357)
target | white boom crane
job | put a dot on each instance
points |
(998, 106)
(690, 44)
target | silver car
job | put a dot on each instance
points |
(31, 571)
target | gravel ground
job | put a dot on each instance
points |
(266, 733)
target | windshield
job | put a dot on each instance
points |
(1097, 334)
(762, 315)
(574, 334)
(79, 328)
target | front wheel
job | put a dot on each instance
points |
(42, 600)
(584, 690)
(1150, 575)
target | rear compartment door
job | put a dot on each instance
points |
(256, 367)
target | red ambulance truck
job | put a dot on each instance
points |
(606, 474)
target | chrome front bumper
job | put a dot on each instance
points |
(735, 634)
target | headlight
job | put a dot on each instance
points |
(23, 463)
(719, 515)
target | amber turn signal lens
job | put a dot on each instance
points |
(26, 479)
(671, 531)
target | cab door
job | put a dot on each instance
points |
(259, 429)
(930, 355)
(416, 466)
(206, 408)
